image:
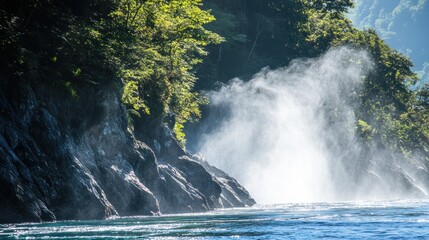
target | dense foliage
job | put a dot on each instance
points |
(152, 47)
(271, 33)
(164, 41)
(394, 112)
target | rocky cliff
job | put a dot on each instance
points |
(66, 157)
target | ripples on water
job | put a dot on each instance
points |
(364, 220)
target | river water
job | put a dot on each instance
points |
(340, 220)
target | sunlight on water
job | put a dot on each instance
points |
(368, 220)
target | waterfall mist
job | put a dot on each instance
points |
(289, 135)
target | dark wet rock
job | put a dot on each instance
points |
(67, 158)
(232, 193)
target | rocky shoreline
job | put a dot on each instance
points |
(74, 159)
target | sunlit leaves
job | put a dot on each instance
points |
(365, 130)
(131, 97)
(164, 40)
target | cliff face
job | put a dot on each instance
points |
(73, 158)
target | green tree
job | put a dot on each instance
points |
(164, 40)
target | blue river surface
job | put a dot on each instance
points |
(402, 219)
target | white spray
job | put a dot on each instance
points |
(285, 134)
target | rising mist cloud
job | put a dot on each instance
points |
(289, 135)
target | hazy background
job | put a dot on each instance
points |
(403, 24)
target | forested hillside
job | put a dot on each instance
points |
(272, 33)
(152, 47)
